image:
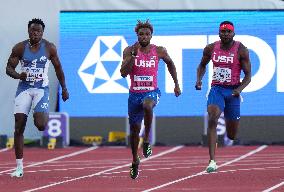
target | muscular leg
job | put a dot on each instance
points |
(232, 128)
(20, 124)
(134, 140)
(40, 120)
(148, 105)
(232, 116)
(213, 115)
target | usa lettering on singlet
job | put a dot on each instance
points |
(36, 65)
(144, 72)
(226, 65)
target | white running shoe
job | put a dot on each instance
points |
(18, 172)
(211, 167)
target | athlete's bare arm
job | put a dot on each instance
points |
(58, 69)
(163, 54)
(127, 62)
(13, 61)
(246, 67)
(201, 69)
(129, 54)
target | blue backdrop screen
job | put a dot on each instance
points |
(91, 46)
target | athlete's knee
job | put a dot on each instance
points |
(231, 136)
(148, 107)
(40, 120)
(19, 131)
(20, 121)
(134, 129)
(212, 120)
(232, 128)
(40, 125)
(19, 127)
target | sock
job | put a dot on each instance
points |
(19, 163)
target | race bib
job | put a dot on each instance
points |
(143, 83)
(222, 74)
(34, 74)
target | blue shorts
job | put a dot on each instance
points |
(222, 97)
(135, 104)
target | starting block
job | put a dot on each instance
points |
(91, 140)
(116, 136)
(10, 143)
(52, 143)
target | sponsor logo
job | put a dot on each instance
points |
(100, 70)
(44, 105)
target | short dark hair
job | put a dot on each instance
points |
(226, 22)
(36, 21)
(140, 24)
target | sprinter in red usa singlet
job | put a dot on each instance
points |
(140, 61)
(229, 57)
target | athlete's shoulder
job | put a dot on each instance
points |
(211, 45)
(128, 48)
(209, 48)
(242, 48)
(159, 48)
(51, 48)
(161, 51)
(243, 52)
(48, 44)
(241, 45)
(21, 44)
(19, 48)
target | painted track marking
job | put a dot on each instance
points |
(55, 159)
(274, 187)
(204, 172)
(104, 171)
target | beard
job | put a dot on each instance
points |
(226, 40)
(144, 44)
(34, 40)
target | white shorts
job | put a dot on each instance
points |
(35, 98)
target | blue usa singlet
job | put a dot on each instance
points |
(33, 91)
(36, 65)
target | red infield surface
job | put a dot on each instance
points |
(170, 169)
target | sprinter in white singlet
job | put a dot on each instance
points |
(34, 56)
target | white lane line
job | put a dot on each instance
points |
(55, 159)
(5, 149)
(227, 171)
(204, 172)
(274, 187)
(104, 171)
